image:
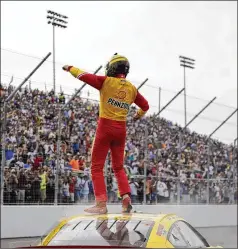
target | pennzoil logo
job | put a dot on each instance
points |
(118, 104)
(121, 95)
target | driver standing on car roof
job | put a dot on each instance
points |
(116, 96)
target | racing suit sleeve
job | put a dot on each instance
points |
(90, 79)
(143, 104)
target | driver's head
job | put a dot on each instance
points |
(118, 65)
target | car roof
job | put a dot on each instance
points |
(137, 216)
(86, 228)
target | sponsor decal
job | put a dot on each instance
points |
(121, 95)
(161, 230)
(118, 104)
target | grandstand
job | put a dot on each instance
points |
(31, 152)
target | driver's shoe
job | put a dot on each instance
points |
(99, 208)
(126, 205)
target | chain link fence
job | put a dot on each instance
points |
(77, 189)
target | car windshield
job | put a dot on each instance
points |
(184, 235)
(104, 232)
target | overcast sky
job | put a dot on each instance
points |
(151, 34)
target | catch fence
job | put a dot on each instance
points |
(192, 192)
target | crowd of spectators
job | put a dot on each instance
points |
(153, 165)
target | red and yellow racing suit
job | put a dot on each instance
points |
(116, 96)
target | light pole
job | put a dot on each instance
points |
(186, 62)
(56, 20)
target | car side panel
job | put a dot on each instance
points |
(158, 237)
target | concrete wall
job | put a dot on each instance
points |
(32, 221)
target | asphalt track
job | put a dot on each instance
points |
(222, 236)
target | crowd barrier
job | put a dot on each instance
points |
(34, 221)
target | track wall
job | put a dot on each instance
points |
(32, 221)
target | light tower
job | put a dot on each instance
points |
(56, 20)
(186, 62)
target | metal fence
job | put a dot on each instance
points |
(157, 191)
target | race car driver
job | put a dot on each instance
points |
(116, 96)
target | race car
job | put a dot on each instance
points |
(129, 230)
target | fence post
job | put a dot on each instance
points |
(234, 167)
(208, 164)
(159, 99)
(179, 168)
(157, 167)
(58, 158)
(3, 149)
(145, 162)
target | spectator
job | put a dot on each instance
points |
(22, 184)
(74, 162)
(72, 182)
(162, 191)
(44, 179)
(66, 194)
(134, 190)
(85, 188)
(12, 183)
(35, 183)
(78, 187)
(50, 188)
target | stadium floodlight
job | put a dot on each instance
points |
(56, 20)
(186, 62)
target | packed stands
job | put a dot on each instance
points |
(30, 170)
